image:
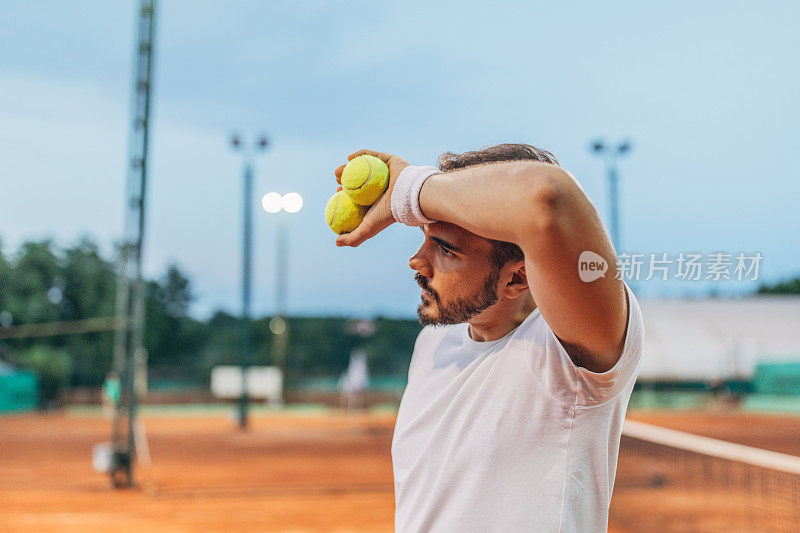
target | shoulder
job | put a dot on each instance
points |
(552, 365)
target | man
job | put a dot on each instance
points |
(513, 412)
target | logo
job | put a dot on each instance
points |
(591, 266)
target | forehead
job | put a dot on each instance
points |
(458, 236)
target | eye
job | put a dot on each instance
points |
(447, 252)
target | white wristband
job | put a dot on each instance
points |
(405, 195)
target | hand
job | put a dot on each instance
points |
(379, 216)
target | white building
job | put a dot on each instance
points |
(694, 340)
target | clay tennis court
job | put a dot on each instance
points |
(290, 472)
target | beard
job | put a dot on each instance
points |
(461, 309)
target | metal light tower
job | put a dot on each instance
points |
(129, 354)
(247, 261)
(611, 155)
(274, 202)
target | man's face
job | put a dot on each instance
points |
(454, 272)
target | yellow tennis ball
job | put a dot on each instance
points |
(365, 178)
(342, 214)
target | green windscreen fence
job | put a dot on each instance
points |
(777, 377)
(18, 392)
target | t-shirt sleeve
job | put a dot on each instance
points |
(562, 378)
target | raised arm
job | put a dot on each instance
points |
(542, 209)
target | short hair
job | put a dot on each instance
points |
(502, 251)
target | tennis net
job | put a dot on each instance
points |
(669, 480)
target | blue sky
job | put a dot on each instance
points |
(706, 91)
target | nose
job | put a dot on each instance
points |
(420, 264)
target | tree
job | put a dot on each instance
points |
(89, 282)
(5, 282)
(172, 338)
(89, 291)
(791, 286)
(34, 273)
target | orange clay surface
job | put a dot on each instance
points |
(289, 472)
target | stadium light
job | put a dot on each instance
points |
(277, 325)
(292, 202)
(273, 202)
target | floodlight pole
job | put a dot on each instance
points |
(611, 155)
(281, 271)
(247, 268)
(613, 195)
(129, 354)
(282, 206)
(247, 275)
(280, 341)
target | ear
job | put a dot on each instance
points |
(518, 282)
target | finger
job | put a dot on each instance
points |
(380, 155)
(338, 173)
(354, 238)
(363, 232)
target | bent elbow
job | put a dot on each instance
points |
(546, 203)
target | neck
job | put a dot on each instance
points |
(495, 323)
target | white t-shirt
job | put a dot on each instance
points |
(509, 435)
